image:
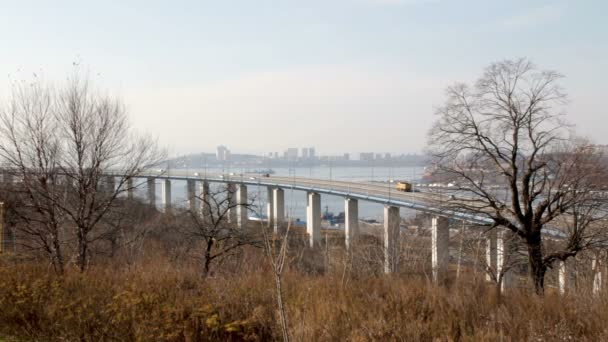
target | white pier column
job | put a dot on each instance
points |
(191, 193)
(270, 206)
(7, 177)
(151, 183)
(313, 218)
(596, 268)
(205, 200)
(505, 243)
(242, 209)
(130, 188)
(278, 198)
(491, 254)
(440, 237)
(391, 239)
(563, 277)
(166, 195)
(232, 204)
(110, 184)
(351, 223)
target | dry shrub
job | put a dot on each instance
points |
(157, 299)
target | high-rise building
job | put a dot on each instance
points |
(387, 156)
(366, 156)
(305, 153)
(346, 156)
(292, 154)
(223, 153)
(311, 153)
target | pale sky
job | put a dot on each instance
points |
(340, 75)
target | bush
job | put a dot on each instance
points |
(157, 301)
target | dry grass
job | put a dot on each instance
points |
(156, 299)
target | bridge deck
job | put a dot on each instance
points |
(379, 193)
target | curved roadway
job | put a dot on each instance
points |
(379, 193)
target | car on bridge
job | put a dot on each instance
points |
(404, 186)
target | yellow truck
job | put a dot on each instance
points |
(404, 186)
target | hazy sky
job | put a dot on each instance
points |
(341, 75)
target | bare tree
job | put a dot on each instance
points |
(503, 143)
(276, 250)
(30, 148)
(211, 225)
(62, 143)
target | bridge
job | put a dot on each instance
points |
(498, 244)
(197, 186)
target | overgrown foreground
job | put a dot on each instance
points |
(156, 300)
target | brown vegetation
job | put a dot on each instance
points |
(160, 297)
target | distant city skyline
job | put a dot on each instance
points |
(224, 153)
(343, 75)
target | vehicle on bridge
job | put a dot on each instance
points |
(404, 186)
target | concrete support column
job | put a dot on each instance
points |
(205, 204)
(596, 267)
(151, 184)
(505, 244)
(278, 200)
(563, 277)
(7, 177)
(351, 221)
(270, 206)
(130, 188)
(242, 209)
(391, 239)
(166, 195)
(110, 184)
(232, 205)
(191, 193)
(490, 254)
(1, 227)
(440, 243)
(313, 218)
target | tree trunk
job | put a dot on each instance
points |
(537, 266)
(82, 250)
(207, 259)
(57, 257)
(281, 307)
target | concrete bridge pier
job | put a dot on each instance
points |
(166, 195)
(313, 218)
(191, 195)
(130, 188)
(440, 243)
(505, 245)
(351, 223)
(242, 208)
(563, 277)
(490, 254)
(110, 184)
(500, 254)
(598, 269)
(205, 200)
(270, 206)
(391, 238)
(7, 177)
(151, 185)
(232, 204)
(278, 200)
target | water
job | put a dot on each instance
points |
(295, 200)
